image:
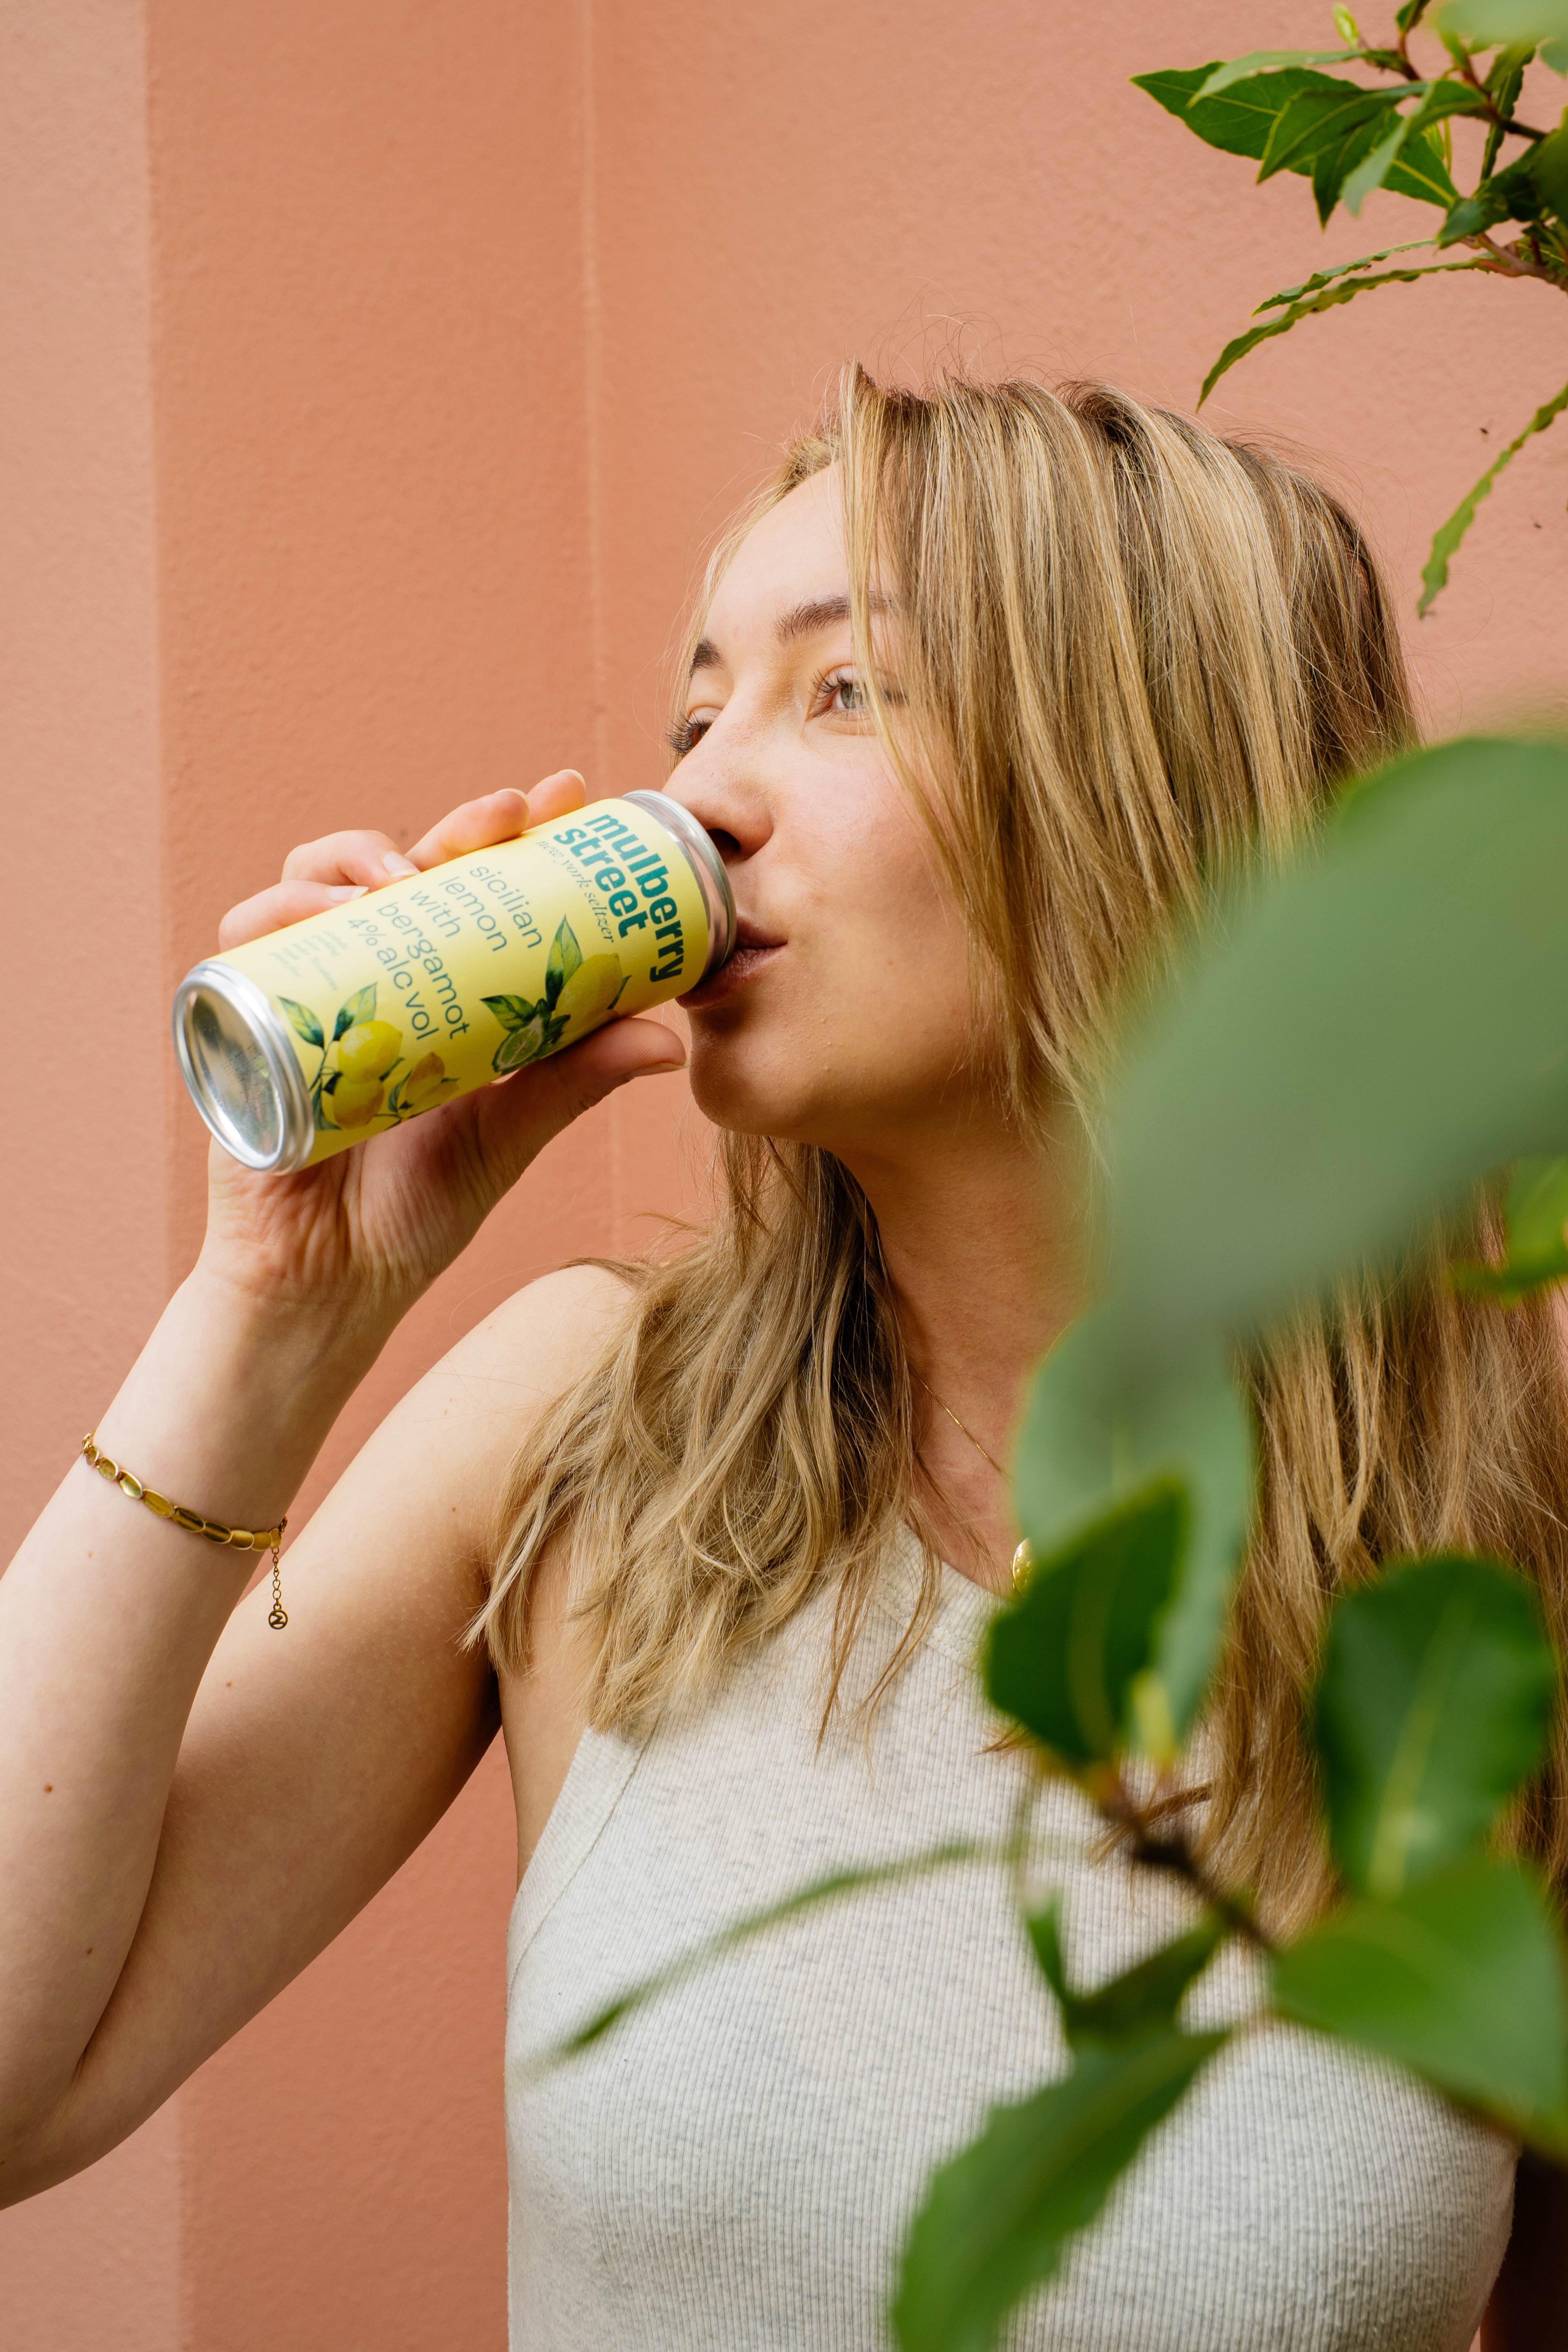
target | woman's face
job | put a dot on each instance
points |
(843, 1018)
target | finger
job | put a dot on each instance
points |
(285, 902)
(558, 795)
(367, 859)
(498, 816)
(478, 824)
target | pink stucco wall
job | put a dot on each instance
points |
(375, 375)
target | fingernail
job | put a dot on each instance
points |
(395, 864)
(347, 890)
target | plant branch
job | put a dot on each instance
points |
(1504, 122)
(1508, 261)
(1174, 1855)
(1404, 32)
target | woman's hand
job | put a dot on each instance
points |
(366, 1231)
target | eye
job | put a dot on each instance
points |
(842, 696)
(686, 735)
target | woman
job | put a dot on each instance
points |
(980, 690)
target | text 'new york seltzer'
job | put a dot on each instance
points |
(301, 1043)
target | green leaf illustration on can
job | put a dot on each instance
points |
(578, 989)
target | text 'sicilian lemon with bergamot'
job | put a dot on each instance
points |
(338, 1028)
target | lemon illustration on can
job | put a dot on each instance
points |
(368, 1050)
(589, 995)
(426, 1084)
(355, 1101)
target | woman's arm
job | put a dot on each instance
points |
(169, 1859)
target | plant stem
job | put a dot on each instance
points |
(1508, 261)
(1174, 1855)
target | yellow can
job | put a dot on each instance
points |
(338, 1028)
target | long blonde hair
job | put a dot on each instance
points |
(1136, 652)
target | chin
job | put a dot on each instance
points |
(739, 1092)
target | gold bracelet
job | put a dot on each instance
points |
(237, 1539)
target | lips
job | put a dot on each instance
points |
(753, 947)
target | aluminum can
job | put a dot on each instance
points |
(313, 1039)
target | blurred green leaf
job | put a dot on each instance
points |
(1142, 2001)
(1524, 24)
(998, 2217)
(1329, 298)
(1433, 1704)
(1434, 576)
(1534, 1219)
(1085, 1442)
(1460, 1978)
(1549, 164)
(361, 1006)
(1366, 1034)
(1063, 1657)
(1259, 61)
(303, 1021)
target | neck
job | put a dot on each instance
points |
(980, 1236)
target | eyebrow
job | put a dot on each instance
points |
(807, 620)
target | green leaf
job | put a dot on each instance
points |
(1062, 1658)
(1434, 576)
(361, 1006)
(1088, 1441)
(1534, 1219)
(1321, 277)
(1460, 1978)
(1548, 169)
(1443, 98)
(1371, 170)
(997, 2218)
(1369, 1033)
(303, 1021)
(1317, 118)
(565, 955)
(1328, 298)
(1523, 23)
(511, 1011)
(1240, 120)
(1433, 1704)
(1259, 61)
(1131, 2007)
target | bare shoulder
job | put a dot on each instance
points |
(471, 1411)
(533, 1343)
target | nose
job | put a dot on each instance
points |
(722, 787)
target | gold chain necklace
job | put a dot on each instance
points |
(1023, 1558)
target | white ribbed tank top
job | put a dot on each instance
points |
(732, 2169)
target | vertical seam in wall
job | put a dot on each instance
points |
(592, 403)
(175, 1099)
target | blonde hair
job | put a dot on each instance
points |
(1134, 652)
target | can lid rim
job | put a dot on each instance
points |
(245, 998)
(702, 857)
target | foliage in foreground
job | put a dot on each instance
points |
(1386, 122)
(1367, 1035)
